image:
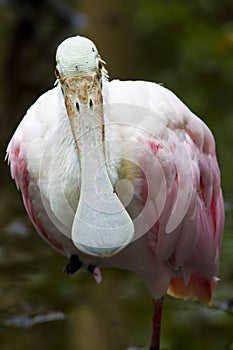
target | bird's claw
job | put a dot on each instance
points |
(73, 265)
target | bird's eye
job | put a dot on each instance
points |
(57, 74)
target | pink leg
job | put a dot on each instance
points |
(156, 323)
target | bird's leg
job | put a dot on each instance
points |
(73, 265)
(156, 323)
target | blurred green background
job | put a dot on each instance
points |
(187, 46)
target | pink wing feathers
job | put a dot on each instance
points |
(191, 242)
(16, 153)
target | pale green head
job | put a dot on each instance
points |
(77, 56)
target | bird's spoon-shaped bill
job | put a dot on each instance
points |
(101, 225)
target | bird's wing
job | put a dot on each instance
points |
(183, 204)
(26, 144)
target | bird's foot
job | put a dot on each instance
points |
(91, 269)
(73, 265)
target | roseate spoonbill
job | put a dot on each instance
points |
(121, 174)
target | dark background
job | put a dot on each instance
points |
(187, 46)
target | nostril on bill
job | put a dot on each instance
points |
(91, 104)
(77, 107)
